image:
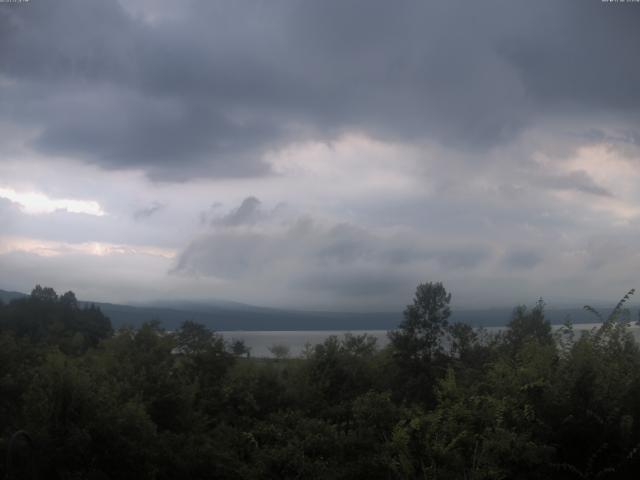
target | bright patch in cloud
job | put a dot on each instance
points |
(36, 203)
(47, 248)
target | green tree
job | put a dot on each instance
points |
(69, 300)
(417, 343)
(425, 321)
(528, 325)
(43, 294)
(239, 348)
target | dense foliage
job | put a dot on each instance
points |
(442, 401)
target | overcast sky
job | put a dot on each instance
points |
(321, 154)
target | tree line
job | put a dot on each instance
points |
(440, 401)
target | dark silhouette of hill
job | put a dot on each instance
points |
(224, 316)
(248, 317)
(7, 297)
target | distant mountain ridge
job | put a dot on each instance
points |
(230, 316)
(7, 297)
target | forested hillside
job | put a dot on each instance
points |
(442, 401)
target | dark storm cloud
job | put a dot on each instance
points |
(306, 254)
(210, 91)
(318, 259)
(523, 259)
(578, 180)
(365, 282)
(147, 212)
(623, 136)
(463, 258)
(345, 244)
(579, 55)
(170, 139)
(248, 212)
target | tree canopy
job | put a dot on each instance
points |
(440, 401)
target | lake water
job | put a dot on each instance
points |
(260, 342)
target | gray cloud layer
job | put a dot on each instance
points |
(209, 91)
(492, 145)
(339, 261)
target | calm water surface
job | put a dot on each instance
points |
(260, 342)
